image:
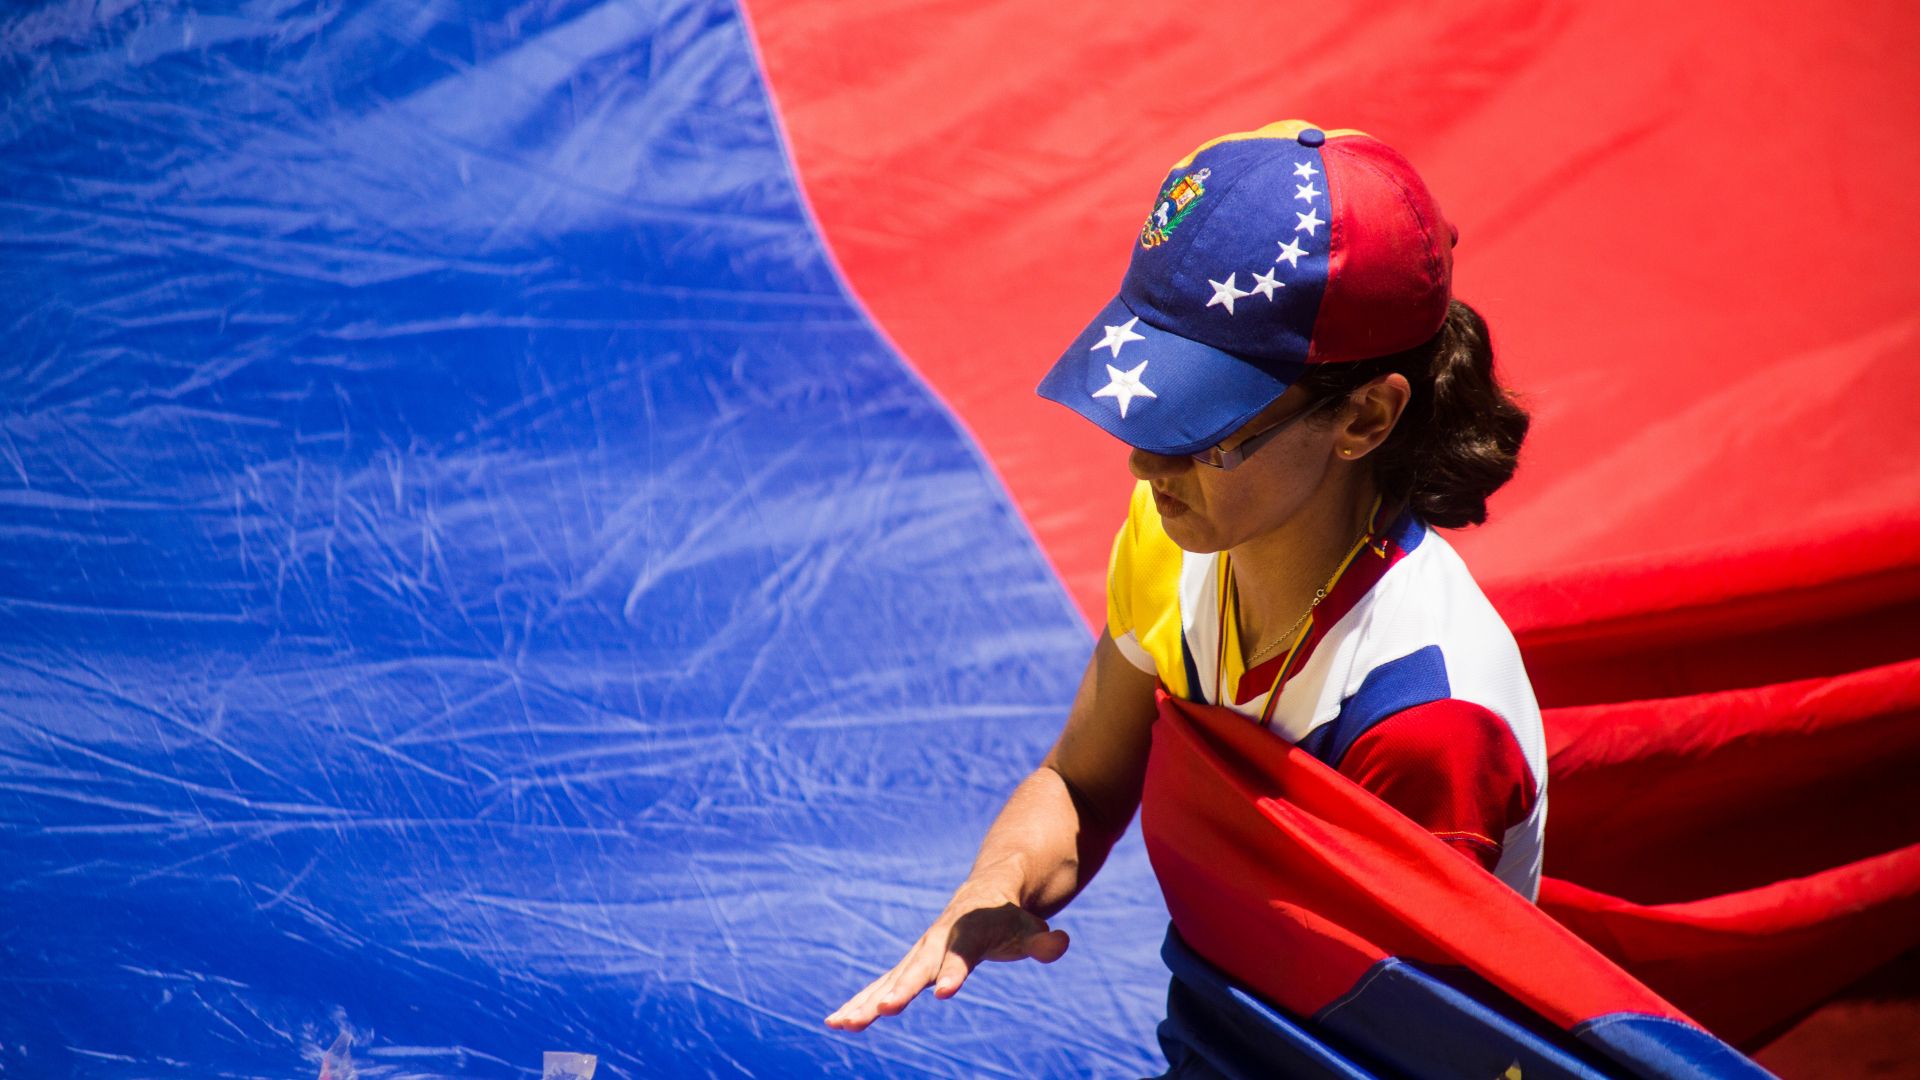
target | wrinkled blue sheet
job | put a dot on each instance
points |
(470, 577)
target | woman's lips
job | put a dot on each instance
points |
(1167, 504)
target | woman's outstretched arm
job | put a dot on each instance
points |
(1042, 849)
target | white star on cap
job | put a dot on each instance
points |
(1125, 386)
(1305, 191)
(1308, 221)
(1264, 284)
(1291, 251)
(1118, 336)
(1226, 292)
(1305, 170)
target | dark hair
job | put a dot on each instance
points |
(1459, 438)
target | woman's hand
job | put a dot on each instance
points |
(978, 924)
(1045, 845)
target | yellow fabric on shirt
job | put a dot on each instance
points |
(1143, 592)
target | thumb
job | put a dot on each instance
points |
(1047, 946)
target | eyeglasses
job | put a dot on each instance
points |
(1227, 459)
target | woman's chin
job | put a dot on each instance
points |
(1188, 537)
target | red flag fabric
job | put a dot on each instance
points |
(1296, 882)
(1769, 837)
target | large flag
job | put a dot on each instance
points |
(495, 560)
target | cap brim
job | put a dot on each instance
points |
(1161, 392)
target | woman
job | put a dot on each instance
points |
(1304, 399)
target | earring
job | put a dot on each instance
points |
(1345, 452)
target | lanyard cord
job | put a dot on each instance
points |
(1299, 633)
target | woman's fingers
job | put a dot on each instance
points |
(1048, 945)
(953, 972)
(888, 994)
(843, 1017)
(857, 1013)
(1028, 938)
(946, 955)
(908, 980)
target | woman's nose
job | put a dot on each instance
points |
(1146, 465)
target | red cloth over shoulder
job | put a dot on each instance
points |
(1453, 768)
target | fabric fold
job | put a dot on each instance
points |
(1310, 893)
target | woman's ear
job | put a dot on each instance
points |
(1376, 407)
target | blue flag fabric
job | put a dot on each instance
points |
(473, 580)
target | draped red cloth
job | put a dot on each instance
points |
(1770, 834)
(1296, 881)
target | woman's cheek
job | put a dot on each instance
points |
(1224, 520)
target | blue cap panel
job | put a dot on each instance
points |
(1159, 391)
(1243, 264)
(1215, 316)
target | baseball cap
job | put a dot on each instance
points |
(1264, 253)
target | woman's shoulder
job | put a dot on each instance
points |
(1432, 587)
(1429, 602)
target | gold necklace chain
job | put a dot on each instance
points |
(1252, 661)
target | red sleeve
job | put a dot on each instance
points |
(1453, 767)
